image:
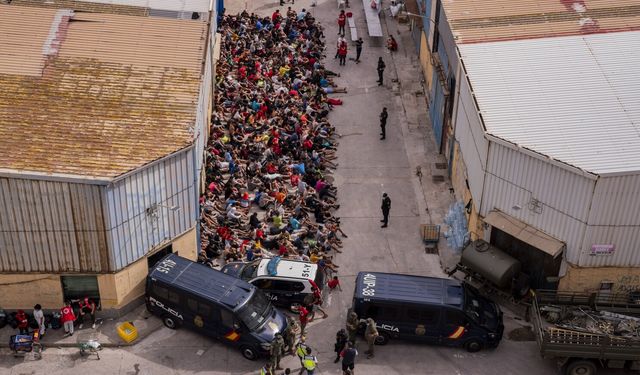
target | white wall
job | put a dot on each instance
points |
(513, 178)
(614, 219)
(469, 133)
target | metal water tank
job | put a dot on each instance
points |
(490, 262)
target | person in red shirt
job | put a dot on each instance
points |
(67, 317)
(23, 322)
(303, 314)
(275, 17)
(342, 53)
(334, 283)
(87, 307)
(342, 20)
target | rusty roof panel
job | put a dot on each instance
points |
(113, 92)
(496, 20)
(85, 6)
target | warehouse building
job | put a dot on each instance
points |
(535, 105)
(104, 114)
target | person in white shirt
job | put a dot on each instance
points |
(38, 315)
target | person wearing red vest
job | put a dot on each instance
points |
(23, 322)
(342, 20)
(67, 317)
(87, 306)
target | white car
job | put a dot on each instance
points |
(285, 282)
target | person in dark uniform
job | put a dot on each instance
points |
(383, 123)
(386, 207)
(381, 67)
(359, 43)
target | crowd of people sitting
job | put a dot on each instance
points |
(271, 151)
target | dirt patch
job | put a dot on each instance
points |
(521, 334)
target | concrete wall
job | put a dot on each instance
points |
(119, 289)
(578, 279)
(24, 291)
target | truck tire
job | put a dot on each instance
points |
(473, 346)
(249, 352)
(581, 367)
(382, 339)
(170, 322)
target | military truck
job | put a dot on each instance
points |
(581, 351)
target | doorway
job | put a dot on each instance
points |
(155, 257)
(537, 264)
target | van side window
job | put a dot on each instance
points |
(198, 307)
(263, 283)
(424, 315)
(454, 318)
(372, 312)
(388, 313)
(287, 286)
(161, 292)
(227, 318)
(174, 297)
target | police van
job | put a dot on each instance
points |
(286, 282)
(427, 309)
(185, 293)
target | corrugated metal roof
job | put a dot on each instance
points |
(574, 99)
(95, 94)
(131, 7)
(475, 21)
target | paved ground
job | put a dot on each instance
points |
(368, 167)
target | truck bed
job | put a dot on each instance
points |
(564, 343)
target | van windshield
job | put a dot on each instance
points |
(256, 311)
(479, 309)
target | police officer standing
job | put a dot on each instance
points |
(276, 352)
(352, 326)
(370, 334)
(301, 351)
(309, 362)
(386, 207)
(380, 69)
(383, 123)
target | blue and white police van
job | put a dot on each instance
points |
(428, 310)
(185, 293)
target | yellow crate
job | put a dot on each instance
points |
(127, 332)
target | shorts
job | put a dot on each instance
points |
(347, 366)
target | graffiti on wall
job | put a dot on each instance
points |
(627, 283)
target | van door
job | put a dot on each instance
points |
(455, 327)
(231, 330)
(204, 317)
(385, 316)
(422, 323)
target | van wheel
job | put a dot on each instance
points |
(249, 353)
(382, 339)
(473, 346)
(581, 367)
(170, 322)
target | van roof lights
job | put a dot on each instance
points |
(272, 266)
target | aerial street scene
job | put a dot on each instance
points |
(339, 187)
